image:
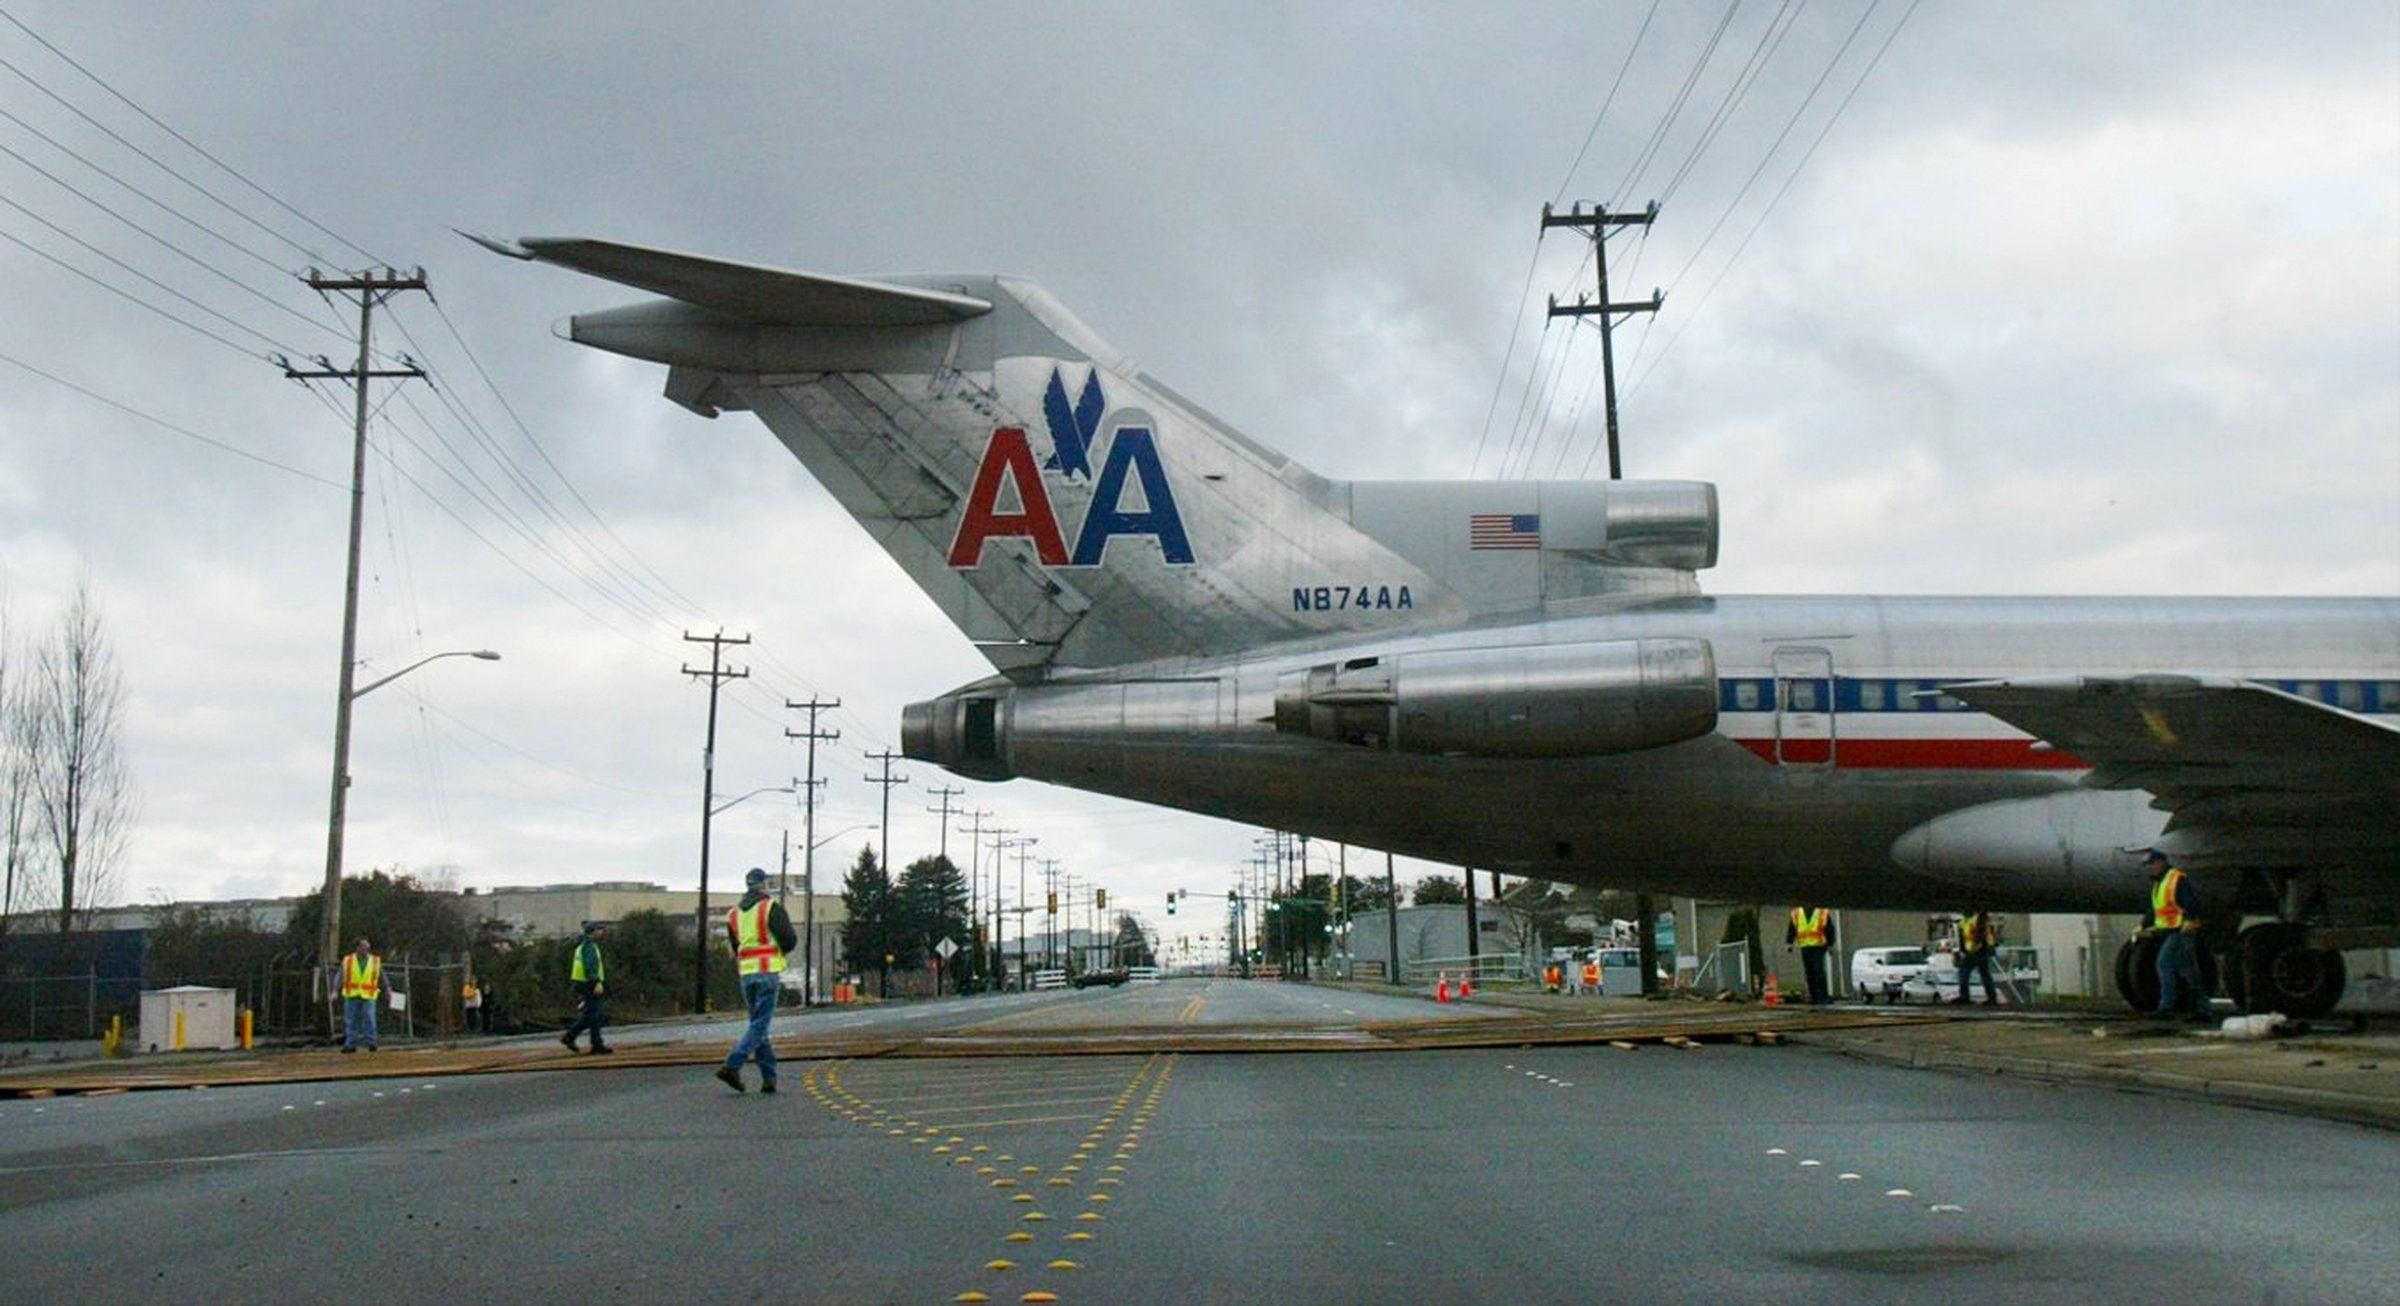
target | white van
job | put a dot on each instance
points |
(1893, 974)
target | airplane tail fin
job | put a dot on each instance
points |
(1063, 507)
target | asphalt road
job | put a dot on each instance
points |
(1572, 1173)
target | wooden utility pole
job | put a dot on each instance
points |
(887, 780)
(716, 676)
(808, 840)
(368, 289)
(1599, 222)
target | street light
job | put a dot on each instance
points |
(720, 808)
(329, 940)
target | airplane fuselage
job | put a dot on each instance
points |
(1834, 759)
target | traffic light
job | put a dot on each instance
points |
(1053, 909)
(1170, 902)
(1100, 900)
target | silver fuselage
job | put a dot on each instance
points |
(1833, 764)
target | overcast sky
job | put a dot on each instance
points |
(2068, 299)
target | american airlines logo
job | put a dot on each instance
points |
(1009, 476)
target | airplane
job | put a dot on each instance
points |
(1526, 675)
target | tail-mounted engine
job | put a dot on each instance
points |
(1552, 700)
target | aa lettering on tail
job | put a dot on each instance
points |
(1008, 470)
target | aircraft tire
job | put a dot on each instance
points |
(2137, 973)
(2283, 974)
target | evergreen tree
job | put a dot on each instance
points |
(932, 907)
(868, 899)
(1438, 889)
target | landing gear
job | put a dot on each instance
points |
(2281, 973)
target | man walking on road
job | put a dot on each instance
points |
(761, 934)
(362, 986)
(589, 975)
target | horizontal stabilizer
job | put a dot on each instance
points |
(772, 296)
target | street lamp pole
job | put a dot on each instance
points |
(329, 931)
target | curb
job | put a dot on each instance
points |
(2323, 1104)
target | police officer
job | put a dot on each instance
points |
(761, 934)
(1812, 929)
(2178, 950)
(589, 975)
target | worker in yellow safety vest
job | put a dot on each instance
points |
(2179, 988)
(362, 984)
(1976, 939)
(588, 975)
(761, 933)
(1812, 930)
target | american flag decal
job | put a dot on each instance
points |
(1504, 530)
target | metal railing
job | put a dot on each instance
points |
(1488, 967)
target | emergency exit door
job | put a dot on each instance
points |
(1805, 726)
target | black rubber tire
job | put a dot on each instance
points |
(2137, 973)
(2282, 974)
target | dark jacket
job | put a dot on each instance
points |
(779, 923)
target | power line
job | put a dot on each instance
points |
(1779, 194)
(162, 423)
(188, 143)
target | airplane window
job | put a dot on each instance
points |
(1745, 695)
(2310, 690)
(2352, 695)
(1801, 695)
(2387, 695)
(1948, 704)
(1870, 695)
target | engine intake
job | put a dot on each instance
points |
(1551, 700)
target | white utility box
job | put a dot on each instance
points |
(187, 1017)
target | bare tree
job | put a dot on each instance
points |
(82, 794)
(16, 775)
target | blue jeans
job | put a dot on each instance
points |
(587, 1017)
(1971, 964)
(2178, 962)
(758, 994)
(358, 1022)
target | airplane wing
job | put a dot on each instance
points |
(2249, 773)
(745, 291)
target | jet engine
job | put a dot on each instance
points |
(1545, 700)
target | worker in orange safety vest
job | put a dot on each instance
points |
(761, 933)
(1811, 930)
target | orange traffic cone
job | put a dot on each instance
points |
(1466, 985)
(1441, 988)
(1773, 996)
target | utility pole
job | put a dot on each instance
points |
(1598, 222)
(945, 811)
(369, 289)
(1050, 944)
(808, 839)
(1391, 918)
(887, 780)
(1474, 930)
(999, 922)
(716, 675)
(983, 955)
